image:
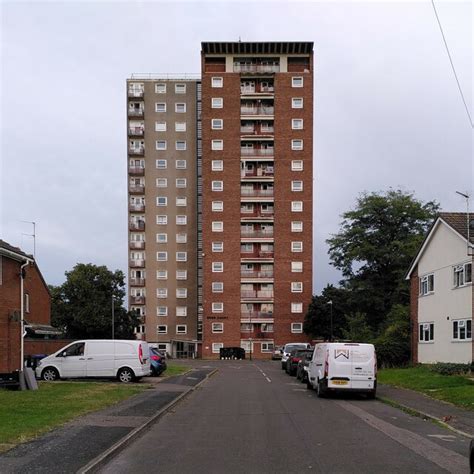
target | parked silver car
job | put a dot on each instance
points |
(277, 353)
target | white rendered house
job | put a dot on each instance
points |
(441, 292)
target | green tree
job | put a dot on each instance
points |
(82, 305)
(374, 247)
(357, 328)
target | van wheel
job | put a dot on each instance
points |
(309, 386)
(126, 375)
(373, 393)
(50, 374)
(320, 390)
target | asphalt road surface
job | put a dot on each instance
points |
(250, 417)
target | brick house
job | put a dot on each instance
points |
(441, 292)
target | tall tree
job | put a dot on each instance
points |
(82, 305)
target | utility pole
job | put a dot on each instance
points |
(113, 317)
(469, 246)
(330, 303)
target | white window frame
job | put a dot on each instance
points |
(181, 275)
(217, 287)
(180, 107)
(161, 256)
(160, 126)
(217, 82)
(296, 206)
(217, 246)
(297, 165)
(180, 145)
(162, 86)
(296, 328)
(181, 293)
(216, 347)
(181, 311)
(297, 186)
(181, 220)
(426, 332)
(181, 164)
(217, 124)
(217, 267)
(181, 237)
(162, 311)
(161, 182)
(297, 246)
(160, 107)
(267, 347)
(217, 226)
(297, 124)
(181, 201)
(217, 165)
(181, 256)
(162, 329)
(217, 186)
(161, 201)
(296, 307)
(296, 267)
(180, 126)
(161, 220)
(161, 238)
(161, 145)
(296, 226)
(180, 88)
(217, 206)
(297, 144)
(217, 103)
(181, 182)
(181, 329)
(217, 307)
(427, 284)
(162, 293)
(461, 273)
(161, 164)
(161, 274)
(297, 287)
(462, 330)
(217, 145)
(297, 81)
(217, 328)
(296, 104)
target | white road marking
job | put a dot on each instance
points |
(192, 378)
(268, 379)
(449, 438)
(299, 390)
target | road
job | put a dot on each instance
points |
(251, 417)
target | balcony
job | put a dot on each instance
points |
(257, 254)
(136, 189)
(137, 245)
(262, 110)
(136, 207)
(260, 172)
(256, 274)
(137, 281)
(136, 93)
(256, 295)
(136, 170)
(257, 88)
(253, 68)
(254, 151)
(256, 334)
(259, 215)
(256, 233)
(137, 299)
(244, 192)
(136, 131)
(137, 225)
(136, 151)
(137, 264)
(256, 315)
(257, 130)
(136, 112)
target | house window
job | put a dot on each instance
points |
(181, 182)
(160, 88)
(217, 328)
(161, 164)
(161, 144)
(181, 238)
(296, 82)
(216, 347)
(181, 201)
(162, 238)
(217, 206)
(217, 226)
(266, 327)
(217, 102)
(180, 126)
(162, 220)
(297, 186)
(297, 124)
(160, 107)
(296, 267)
(160, 126)
(297, 144)
(181, 311)
(217, 307)
(180, 88)
(181, 256)
(462, 329)
(181, 329)
(217, 145)
(161, 182)
(161, 256)
(180, 107)
(217, 165)
(162, 311)
(181, 220)
(296, 246)
(426, 333)
(180, 164)
(296, 286)
(162, 293)
(217, 246)
(296, 307)
(297, 206)
(296, 328)
(217, 82)
(181, 292)
(181, 274)
(162, 329)
(161, 201)
(217, 267)
(181, 145)
(296, 103)
(217, 286)
(267, 346)
(427, 284)
(161, 274)
(296, 226)
(217, 124)
(218, 185)
(296, 165)
(462, 274)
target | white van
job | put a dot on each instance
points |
(126, 360)
(339, 366)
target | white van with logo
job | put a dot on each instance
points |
(339, 366)
(128, 361)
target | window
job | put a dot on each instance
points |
(162, 238)
(267, 347)
(217, 185)
(297, 124)
(296, 246)
(217, 102)
(162, 311)
(161, 145)
(161, 274)
(426, 333)
(427, 284)
(180, 126)
(160, 126)
(296, 286)
(181, 311)
(217, 165)
(297, 186)
(162, 220)
(217, 286)
(297, 206)
(217, 327)
(161, 201)
(296, 82)
(161, 182)
(162, 329)
(160, 88)
(296, 328)
(462, 274)
(181, 182)
(181, 238)
(217, 267)
(181, 220)
(181, 256)
(462, 329)
(296, 267)
(161, 164)
(217, 124)
(180, 164)
(181, 201)
(216, 347)
(180, 107)
(181, 329)
(180, 88)
(161, 256)
(297, 144)
(296, 307)
(217, 307)
(181, 145)
(217, 145)
(217, 82)
(217, 246)
(266, 327)
(296, 165)
(160, 107)
(181, 292)
(217, 206)
(217, 226)
(296, 103)
(162, 293)
(296, 226)
(181, 274)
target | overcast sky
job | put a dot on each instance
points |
(388, 112)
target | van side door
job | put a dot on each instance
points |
(73, 361)
(100, 358)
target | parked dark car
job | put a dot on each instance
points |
(232, 353)
(293, 359)
(301, 369)
(157, 362)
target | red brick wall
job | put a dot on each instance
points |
(414, 292)
(44, 346)
(40, 299)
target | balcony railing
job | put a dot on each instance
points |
(256, 192)
(257, 89)
(137, 281)
(137, 188)
(265, 68)
(257, 131)
(256, 233)
(137, 263)
(256, 294)
(136, 131)
(268, 110)
(257, 254)
(136, 170)
(256, 274)
(260, 172)
(257, 215)
(136, 150)
(135, 93)
(140, 225)
(136, 112)
(137, 300)
(255, 315)
(137, 207)
(137, 244)
(245, 151)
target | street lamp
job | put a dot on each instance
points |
(251, 331)
(113, 318)
(330, 303)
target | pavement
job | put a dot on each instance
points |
(89, 442)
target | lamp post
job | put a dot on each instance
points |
(113, 317)
(251, 329)
(330, 303)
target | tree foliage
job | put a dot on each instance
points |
(82, 305)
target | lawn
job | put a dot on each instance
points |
(172, 370)
(455, 389)
(25, 415)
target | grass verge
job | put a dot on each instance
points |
(28, 414)
(172, 370)
(455, 389)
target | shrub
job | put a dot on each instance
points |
(449, 368)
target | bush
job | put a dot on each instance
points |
(449, 368)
